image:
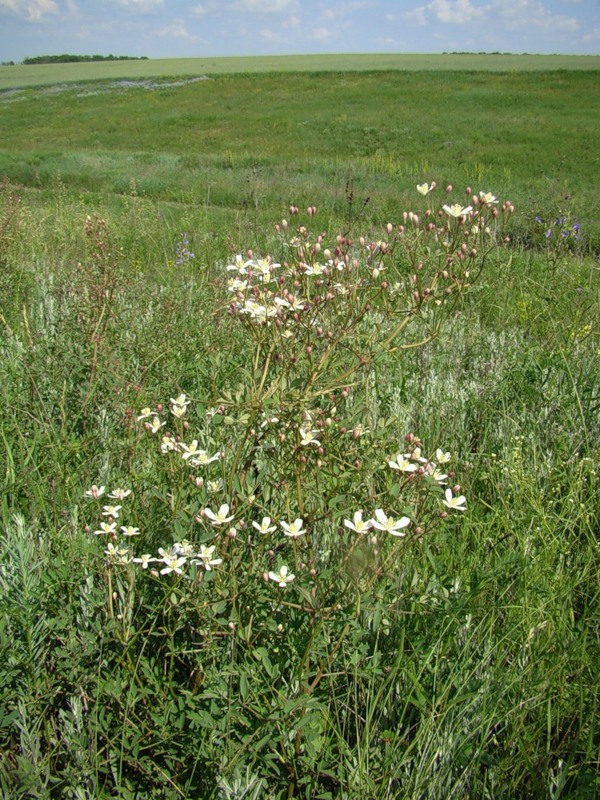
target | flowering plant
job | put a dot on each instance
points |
(289, 500)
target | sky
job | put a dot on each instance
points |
(187, 28)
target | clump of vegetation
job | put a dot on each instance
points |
(66, 58)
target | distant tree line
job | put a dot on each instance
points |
(70, 59)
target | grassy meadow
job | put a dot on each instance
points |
(299, 462)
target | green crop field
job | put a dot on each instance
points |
(19, 76)
(300, 390)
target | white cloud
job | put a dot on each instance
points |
(321, 34)
(510, 15)
(265, 6)
(518, 14)
(198, 10)
(418, 16)
(592, 36)
(32, 10)
(456, 12)
(140, 6)
(176, 30)
(268, 34)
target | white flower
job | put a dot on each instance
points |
(181, 401)
(119, 494)
(265, 526)
(403, 464)
(441, 457)
(416, 455)
(145, 560)
(205, 556)
(106, 527)
(359, 524)
(111, 511)
(487, 198)
(173, 562)
(145, 413)
(168, 444)
(295, 303)
(178, 411)
(456, 503)
(424, 188)
(119, 555)
(95, 492)
(240, 266)
(189, 450)
(156, 425)
(436, 473)
(388, 524)
(212, 487)
(263, 267)
(201, 458)
(130, 530)
(457, 210)
(221, 517)
(237, 285)
(308, 437)
(281, 578)
(293, 529)
(258, 312)
(314, 269)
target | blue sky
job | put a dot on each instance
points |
(187, 28)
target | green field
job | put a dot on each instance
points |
(396, 355)
(19, 76)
